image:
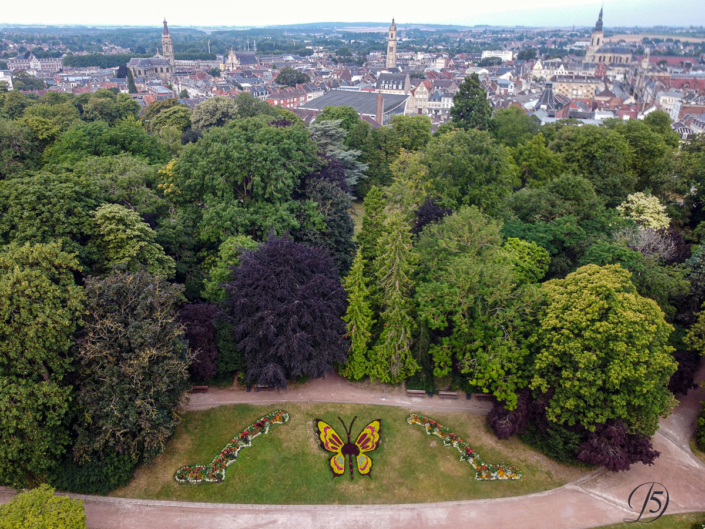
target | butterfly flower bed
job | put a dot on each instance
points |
(483, 471)
(215, 471)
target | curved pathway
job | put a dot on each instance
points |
(597, 499)
(337, 389)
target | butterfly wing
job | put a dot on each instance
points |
(368, 441)
(331, 442)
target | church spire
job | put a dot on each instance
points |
(166, 29)
(598, 25)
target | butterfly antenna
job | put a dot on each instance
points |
(344, 427)
(351, 425)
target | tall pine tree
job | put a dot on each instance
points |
(359, 320)
(372, 225)
(131, 87)
(391, 359)
(471, 109)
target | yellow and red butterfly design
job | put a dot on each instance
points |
(367, 441)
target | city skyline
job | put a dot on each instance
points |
(543, 13)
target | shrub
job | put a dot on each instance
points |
(40, 509)
(100, 475)
(507, 423)
(613, 447)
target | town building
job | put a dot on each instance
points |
(153, 67)
(6, 77)
(239, 59)
(598, 52)
(168, 46)
(376, 106)
(393, 83)
(505, 55)
(577, 87)
(392, 46)
(28, 61)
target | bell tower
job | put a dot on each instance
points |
(167, 45)
(392, 46)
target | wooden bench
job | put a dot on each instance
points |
(484, 396)
(199, 389)
(448, 395)
(415, 393)
(260, 387)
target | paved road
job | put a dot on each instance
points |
(598, 499)
(335, 388)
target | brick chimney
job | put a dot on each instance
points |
(380, 109)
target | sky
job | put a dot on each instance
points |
(543, 13)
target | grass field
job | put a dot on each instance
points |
(673, 521)
(287, 466)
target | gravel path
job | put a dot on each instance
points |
(597, 499)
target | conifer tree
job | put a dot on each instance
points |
(372, 225)
(359, 320)
(391, 359)
(471, 109)
(131, 87)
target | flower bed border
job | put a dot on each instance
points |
(483, 471)
(215, 471)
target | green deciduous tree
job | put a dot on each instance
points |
(663, 284)
(537, 163)
(132, 366)
(99, 139)
(291, 77)
(469, 168)
(513, 127)
(229, 254)
(413, 132)
(602, 351)
(40, 308)
(40, 509)
(213, 112)
(470, 293)
(33, 434)
(239, 179)
(47, 208)
(347, 116)
(359, 321)
(391, 359)
(600, 154)
(122, 239)
(471, 109)
(530, 260)
(19, 148)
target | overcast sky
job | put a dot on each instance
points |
(230, 13)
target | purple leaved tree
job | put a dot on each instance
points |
(286, 304)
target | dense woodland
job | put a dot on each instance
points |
(556, 267)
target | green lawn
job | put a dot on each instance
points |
(288, 466)
(674, 521)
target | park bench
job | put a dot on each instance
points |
(415, 393)
(262, 387)
(199, 389)
(484, 396)
(448, 394)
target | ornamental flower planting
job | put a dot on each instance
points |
(483, 471)
(215, 471)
